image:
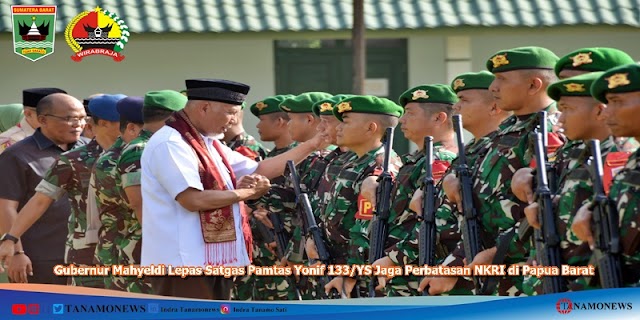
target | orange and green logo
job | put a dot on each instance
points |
(99, 32)
(33, 31)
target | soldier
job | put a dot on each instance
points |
(10, 115)
(88, 129)
(70, 175)
(238, 140)
(522, 76)
(24, 165)
(345, 217)
(271, 127)
(619, 88)
(430, 104)
(29, 123)
(109, 196)
(587, 60)
(158, 107)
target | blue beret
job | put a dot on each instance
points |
(130, 109)
(104, 107)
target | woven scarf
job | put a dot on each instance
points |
(218, 225)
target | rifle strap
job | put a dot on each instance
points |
(505, 239)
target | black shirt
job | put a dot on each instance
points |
(22, 167)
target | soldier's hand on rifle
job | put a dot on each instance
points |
(451, 187)
(310, 248)
(531, 212)
(437, 285)
(262, 215)
(581, 225)
(368, 189)
(483, 257)
(522, 185)
(416, 201)
(384, 262)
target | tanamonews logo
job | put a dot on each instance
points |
(97, 32)
(33, 31)
(564, 306)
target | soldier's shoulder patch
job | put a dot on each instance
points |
(365, 209)
(613, 163)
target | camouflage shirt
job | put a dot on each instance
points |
(111, 202)
(129, 169)
(256, 150)
(347, 236)
(625, 191)
(71, 174)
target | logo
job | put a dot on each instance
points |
(33, 31)
(154, 308)
(326, 106)
(344, 107)
(459, 83)
(58, 308)
(500, 60)
(419, 94)
(617, 80)
(23, 309)
(564, 306)
(97, 32)
(225, 309)
(575, 87)
(261, 105)
(581, 58)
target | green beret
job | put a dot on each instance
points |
(324, 107)
(578, 86)
(522, 58)
(269, 104)
(303, 103)
(472, 80)
(617, 80)
(10, 115)
(165, 99)
(435, 93)
(367, 104)
(593, 59)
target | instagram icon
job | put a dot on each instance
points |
(225, 309)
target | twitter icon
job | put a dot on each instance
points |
(58, 308)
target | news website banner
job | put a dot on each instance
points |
(34, 301)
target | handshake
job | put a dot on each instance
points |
(257, 183)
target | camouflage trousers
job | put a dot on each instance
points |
(83, 257)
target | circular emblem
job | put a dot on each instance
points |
(564, 306)
(97, 32)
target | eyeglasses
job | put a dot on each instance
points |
(68, 119)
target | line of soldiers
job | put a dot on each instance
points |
(55, 172)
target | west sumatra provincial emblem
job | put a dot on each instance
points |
(33, 31)
(97, 32)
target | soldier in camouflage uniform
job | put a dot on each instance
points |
(422, 104)
(347, 214)
(157, 108)
(619, 88)
(238, 140)
(271, 127)
(70, 175)
(110, 198)
(582, 121)
(522, 77)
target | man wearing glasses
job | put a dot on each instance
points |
(29, 123)
(61, 118)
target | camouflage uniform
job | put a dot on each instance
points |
(346, 227)
(252, 287)
(244, 140)
(130, 240)
(625, 192)
(499, 210)
(71, 174)
(113, 209)
(406, 250)
(576, 188)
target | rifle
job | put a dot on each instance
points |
(607, 233)
(470, 227)
(310, 227)
(380, 221)
(547, 240)
(428, 232)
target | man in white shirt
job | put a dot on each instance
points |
(192, 205)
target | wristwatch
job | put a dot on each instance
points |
(7, 236)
